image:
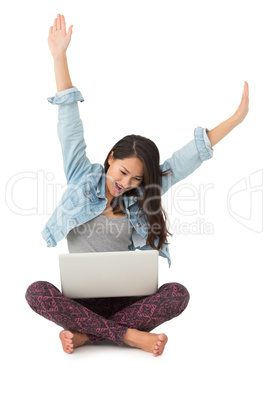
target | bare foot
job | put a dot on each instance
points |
(72, 339)
(154, 343)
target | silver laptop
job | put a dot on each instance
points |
(109, 274)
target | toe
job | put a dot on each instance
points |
(68, 334)
(162, 337)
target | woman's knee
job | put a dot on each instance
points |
(38, 288)
(179, 293)
(175, 288)
(181, 290)
(182, 294)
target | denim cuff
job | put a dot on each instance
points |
(47, 236)
(69, 95)
(202, 143)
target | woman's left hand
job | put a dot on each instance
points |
(242, 110)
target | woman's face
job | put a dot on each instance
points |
(126, 173)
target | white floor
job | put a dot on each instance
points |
(158, 69)
(217, 348)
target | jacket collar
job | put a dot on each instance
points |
(133, 199)
(101, 186)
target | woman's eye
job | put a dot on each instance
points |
(125, 173)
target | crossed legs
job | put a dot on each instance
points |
(122, 319)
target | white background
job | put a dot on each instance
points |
(158, 69)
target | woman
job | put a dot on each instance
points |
(124, 195)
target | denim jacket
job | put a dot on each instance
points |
(84, 199)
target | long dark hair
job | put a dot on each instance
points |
(137, 146)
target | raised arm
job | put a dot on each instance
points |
(58, 42)
(219, 132)
(187, 159)
(70, 126)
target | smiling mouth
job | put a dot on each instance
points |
(119, 189)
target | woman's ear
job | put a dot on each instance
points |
(110, 157)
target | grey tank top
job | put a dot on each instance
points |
(101, 234)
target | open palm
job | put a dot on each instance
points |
(58, 39)
(242, 110)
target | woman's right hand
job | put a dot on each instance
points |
(58, 39)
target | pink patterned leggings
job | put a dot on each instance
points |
(109, 317)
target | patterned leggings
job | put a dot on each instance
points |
(109, 317)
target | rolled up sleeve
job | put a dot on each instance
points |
(187, 159)
(71, 134)
(202, 143)
(69, 95)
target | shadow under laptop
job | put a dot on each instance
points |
(107, 342)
